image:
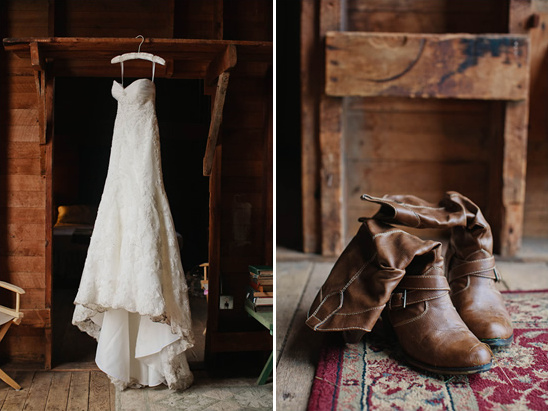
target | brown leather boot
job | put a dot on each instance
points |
(360, 286)
(430, 331)
(471, 266)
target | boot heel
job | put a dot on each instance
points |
(353, 336)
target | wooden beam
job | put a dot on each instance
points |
(513, 176)
(216, 120)
(268, 177)
(331, 148)
(310, 151)
(214, 250)
(222, 62)
(93, 49)
(465, 66)
(38, 318)
(36, 58)
(514, 153)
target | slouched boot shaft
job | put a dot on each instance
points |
(363, 278)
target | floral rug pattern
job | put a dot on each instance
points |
(372, 375)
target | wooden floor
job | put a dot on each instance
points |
(300, 276)
(58, 390)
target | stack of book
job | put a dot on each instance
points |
(260, 291)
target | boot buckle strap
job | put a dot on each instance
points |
(424, 282)
(480, 268)
(401, 300)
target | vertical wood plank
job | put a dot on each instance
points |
(79, 392)
(112, 396)
(536, 212)
(49, 133)
(216, 119)
(310, 96)
(331, 148)
(297, 363)
(291, 278)
(268, 194)
(58, 393)
(513, 176)
(15, 400)
(214, 247)
(494, 211)
(38, 391)
(514, 157)
(4, 391)
(99, 386)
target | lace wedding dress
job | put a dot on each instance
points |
(133, 295)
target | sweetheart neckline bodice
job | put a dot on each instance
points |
(139, 91)
(132, 83)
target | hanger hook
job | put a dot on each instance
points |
(142, 41)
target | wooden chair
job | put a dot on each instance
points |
(9, 316)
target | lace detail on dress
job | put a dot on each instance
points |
(133, 261)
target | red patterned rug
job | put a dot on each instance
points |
(372, 375)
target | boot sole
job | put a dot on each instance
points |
(498, 342)
(448, 370)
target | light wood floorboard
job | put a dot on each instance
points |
(299, 353)
(58, 391)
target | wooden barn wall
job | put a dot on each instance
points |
(23, 199)
(536, 194)
(22, 168)
(425, 147)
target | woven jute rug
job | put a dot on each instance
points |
(372, 375)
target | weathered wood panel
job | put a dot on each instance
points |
(417, 136)
(59, 391)
(38, 391)
(15, 400)
(99, 391)
(25, 344)
(126, 18)
(17, 247)
(491, 67)
(23, 166)
(79, 391)
(310, 92)
(26, 18)
(198, 19)
(248, 19)
(332, 174)
(28, 280)
(536, 195)
(427, 16)
(514, 152)
(22, 187)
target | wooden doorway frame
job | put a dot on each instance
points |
(217, 78)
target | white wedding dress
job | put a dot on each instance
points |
(133, 295)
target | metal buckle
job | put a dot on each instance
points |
(404, 298)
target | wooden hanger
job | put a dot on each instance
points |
(138, 56)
